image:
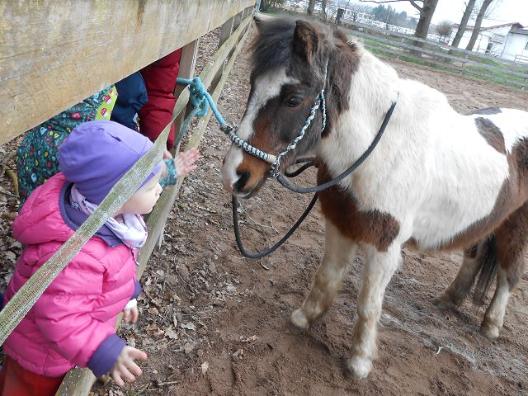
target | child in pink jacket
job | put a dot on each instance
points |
(73, 323)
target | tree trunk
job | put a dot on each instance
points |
(426, 15)
(311, 7)
(323, 8)
(478, 23)
(463, 23)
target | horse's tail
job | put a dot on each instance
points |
(487, 257)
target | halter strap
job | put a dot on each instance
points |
(321, 187)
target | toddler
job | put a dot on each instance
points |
(73, 323)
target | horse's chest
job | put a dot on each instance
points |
(373, 227)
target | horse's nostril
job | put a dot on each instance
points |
(243, 178)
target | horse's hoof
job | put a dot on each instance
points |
(299, 319)
(359, 367)
(489, 331)
(444, 303)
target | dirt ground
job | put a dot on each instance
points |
(213, 322)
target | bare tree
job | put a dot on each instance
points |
(487, 13)
(444, 29)
(323, 8)
(311, 7)
(463, 23)
(426, 10)
(478, 23)
(359, 8)
(266, 5)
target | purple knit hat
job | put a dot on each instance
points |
(98, 153)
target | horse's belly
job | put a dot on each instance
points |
(459, 217)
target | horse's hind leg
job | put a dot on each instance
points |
(458, 290)
(511, 245)
(339, 251)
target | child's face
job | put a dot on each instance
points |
(144, 199)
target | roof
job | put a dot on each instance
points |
(514, 26)
(515, 30)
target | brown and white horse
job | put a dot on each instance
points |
(436, 180)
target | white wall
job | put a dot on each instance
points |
(515, 45)
(498, 49)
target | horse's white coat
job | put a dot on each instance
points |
(494, 317)
(513, 124)
(267, 86)
(432, 171)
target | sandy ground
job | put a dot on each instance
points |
(213, 322)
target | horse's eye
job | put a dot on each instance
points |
(294, 101)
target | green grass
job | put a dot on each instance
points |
(500, 75)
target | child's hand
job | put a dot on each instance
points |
(125, 367)
(185, 161)
(131, 313)
(167, 154)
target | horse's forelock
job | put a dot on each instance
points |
(272, 46)
(332, 50)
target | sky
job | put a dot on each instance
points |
(503, 12)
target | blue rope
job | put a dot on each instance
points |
(201, 101)
(172, 174)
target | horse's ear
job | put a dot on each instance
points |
(258, 20)
(305, 40)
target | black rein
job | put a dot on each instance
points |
(303, 190)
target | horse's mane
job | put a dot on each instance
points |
(271, 47)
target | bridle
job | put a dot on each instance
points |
(275, 161)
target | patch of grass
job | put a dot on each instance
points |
(500, 74)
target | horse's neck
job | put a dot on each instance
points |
(373, 89)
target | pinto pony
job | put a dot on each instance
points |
(436, 180)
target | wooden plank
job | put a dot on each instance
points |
(444, 67)
(78, 382)
(438, 45)
(225, 31)
(56, 53)
(463, 61)
(187, 67)
(156, 219)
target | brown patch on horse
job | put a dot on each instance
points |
(306, 49)
(513, 195)
(471, 252)
(342, 65)
(305, 40)
(511, 240)
(339, 207)
(491, 133)
(255, 167)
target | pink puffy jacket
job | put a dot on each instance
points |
(73, 323)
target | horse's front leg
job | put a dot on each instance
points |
(379, 268)
(339, 251)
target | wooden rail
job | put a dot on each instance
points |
(79, 381)
(437, 45)
(53, 54)
(440, 56)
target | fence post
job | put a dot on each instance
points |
(187, 67)
(227, 29)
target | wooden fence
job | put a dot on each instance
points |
(54, 54)
(387, 43)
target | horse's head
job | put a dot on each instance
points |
(292, 62)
